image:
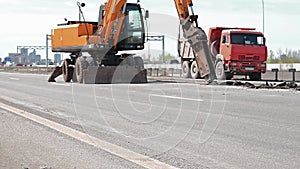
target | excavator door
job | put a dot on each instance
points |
(132, 34)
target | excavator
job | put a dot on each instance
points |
(94, 47)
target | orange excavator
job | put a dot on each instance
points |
(94, 46)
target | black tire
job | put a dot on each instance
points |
(80, 65)
(220, 71)
(128, 61)
(74, 77)
(194, 70)
(139, 62)
(90, 60)
(67, 70)
(213, 49)
(228, 75)
(255, 76)
(186, 72)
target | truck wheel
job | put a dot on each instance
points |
(213, 49)
(220, 71)
(139, 62)
(194, 70)
(67, 70)
(186, 73)
(80, 66)
(255, 76)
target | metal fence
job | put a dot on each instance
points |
(166, 71)
(35, 70)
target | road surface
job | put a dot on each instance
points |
(175, 125)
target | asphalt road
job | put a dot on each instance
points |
(183, 125)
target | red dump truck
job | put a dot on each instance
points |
(235, 51)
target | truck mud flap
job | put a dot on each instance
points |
(114, 74)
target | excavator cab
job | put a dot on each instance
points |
(132, 35)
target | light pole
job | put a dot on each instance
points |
(263, 13)
(48, 37)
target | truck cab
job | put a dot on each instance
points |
(238, 51)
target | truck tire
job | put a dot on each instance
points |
(139, 62)
(194, 70)
(67, 70)
(186, 72)
(220, 71)
(255, 76)
(213, 49)
(80, 65)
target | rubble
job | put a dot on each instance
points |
(267, 85)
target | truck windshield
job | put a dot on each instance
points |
(247, 39)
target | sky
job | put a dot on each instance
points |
(26, 23)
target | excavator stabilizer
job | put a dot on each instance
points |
(107, 75)
(57, 72)
(114, 74)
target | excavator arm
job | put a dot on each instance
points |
(182, 7)
(113, 15)
(195, 38)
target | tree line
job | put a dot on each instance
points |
(284, 56)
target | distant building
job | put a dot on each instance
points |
(24, 51)
(38, 58)
(33, 57)
(14, 57)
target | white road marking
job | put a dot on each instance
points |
(23, 74)
(12, 78)
(139, 159)
(60, 84)
(175, 97)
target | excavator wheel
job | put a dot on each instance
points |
(194, 70)
(186, 73)
(139, 63)
(128, 61)
(67, 70)
(80, 65)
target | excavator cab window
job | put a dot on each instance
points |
(133, 32)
